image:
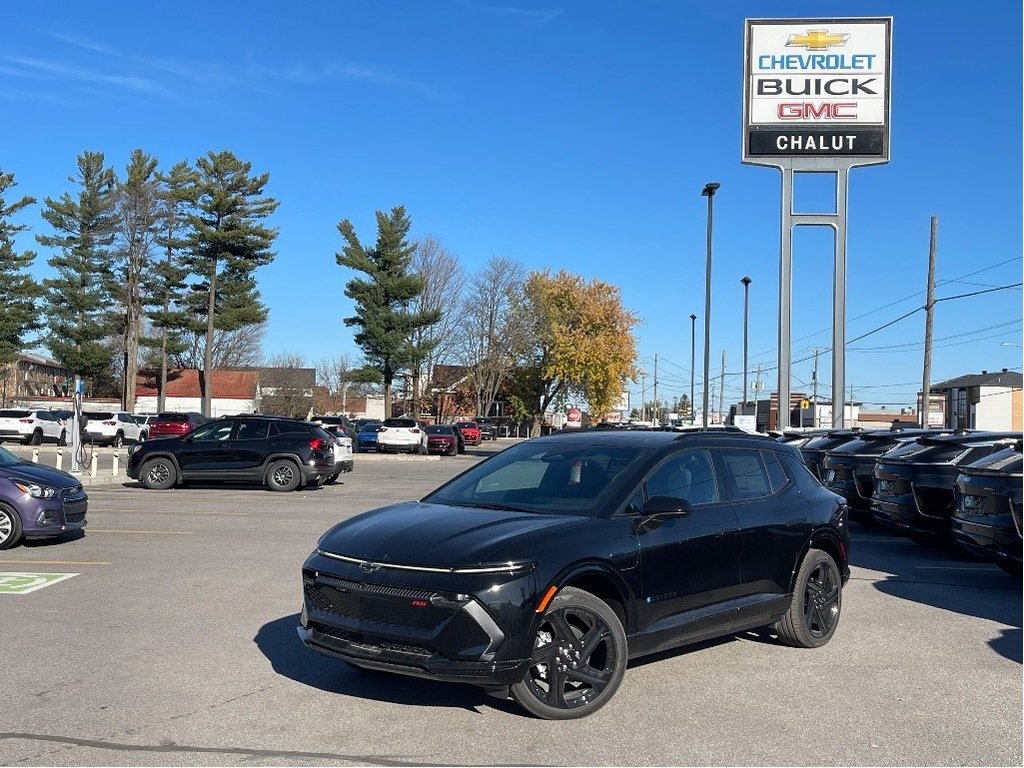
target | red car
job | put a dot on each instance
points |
(174, 424)
(442, 438)
(470, 431)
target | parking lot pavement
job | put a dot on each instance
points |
(174, 644)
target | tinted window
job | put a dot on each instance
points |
(44, 416)
(408, 423)
(688, 475)
(11, 413)
(171, 417)
(439, 430)
(252, 429)
(776, 473)
(288, 428)
(745, 471)
(99, 415)
(217, 430)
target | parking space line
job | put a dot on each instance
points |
(54, 562)
(166, 512)
(126, 530)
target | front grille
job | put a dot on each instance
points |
(380, 605)
(74, 517)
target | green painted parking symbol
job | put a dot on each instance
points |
(12, 583)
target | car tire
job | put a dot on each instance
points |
(36, 438)
(118, 440)
(142, 437)
(813, 614)
(283, 475)
(63, 439)
(10, 527)
(577, 631)
(158, 474)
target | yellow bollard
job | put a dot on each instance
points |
(60, 459)
(95, 465)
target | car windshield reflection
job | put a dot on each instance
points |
(548, 479)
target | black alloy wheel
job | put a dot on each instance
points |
(817, 602)
(158, 474)
(118, 440)
(37, 437)
(283, 475)
(578, 660)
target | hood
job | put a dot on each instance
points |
(40, 473)
(415, 533)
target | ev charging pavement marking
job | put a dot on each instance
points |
(12, 583)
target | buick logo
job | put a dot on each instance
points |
(369, 567)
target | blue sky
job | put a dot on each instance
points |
(572, 135)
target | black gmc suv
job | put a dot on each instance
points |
(281, 453)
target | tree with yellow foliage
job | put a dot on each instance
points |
(583, 343)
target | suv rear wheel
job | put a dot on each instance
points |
(817, 600)
(283, 475)
(158, 474)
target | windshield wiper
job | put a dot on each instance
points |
(487, 505)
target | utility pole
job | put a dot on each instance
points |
(721, 393)
(643, 396)
(657, 410)
(757, 386)
(814, 383)
(929, 312)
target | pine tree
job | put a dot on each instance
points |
(164, 279)
(138, 218)
(226, 244)
(19, 292)
(79, 305)
(383, 318)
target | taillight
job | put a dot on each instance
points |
(109, 423)
(25, 421)
(317, 443)
(415, 430)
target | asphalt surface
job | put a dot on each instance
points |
(175, 644)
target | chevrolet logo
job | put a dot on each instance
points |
(369, 567)
(817, 40)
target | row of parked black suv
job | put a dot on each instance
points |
(935, 485)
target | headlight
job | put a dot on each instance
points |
(36, 491)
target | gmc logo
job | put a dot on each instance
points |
(827, 110)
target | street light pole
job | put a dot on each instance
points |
(709, 192)
(693, 338)
(746, 295)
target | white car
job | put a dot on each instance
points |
(31, 426)
(342, 450)
(402, 435)
(112, 428)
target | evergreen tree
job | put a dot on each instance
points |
(226, 244)
(79, 305)
(138, 218)
(383, 316)
(19, 292)
(164, 279)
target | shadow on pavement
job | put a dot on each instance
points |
(280, 643)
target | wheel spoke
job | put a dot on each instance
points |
(563, 632)
(598, 633)
(544, 654)
(556, 687)
(597, 678)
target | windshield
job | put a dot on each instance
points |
(546, 477)
(8, 459)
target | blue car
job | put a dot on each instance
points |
(366, 437)
(36, 501)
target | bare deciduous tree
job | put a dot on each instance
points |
(493, 332)
(443, 284)
(242, 348)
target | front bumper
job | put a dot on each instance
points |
(403, 627)
(61, 514)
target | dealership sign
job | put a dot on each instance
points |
(817, 88)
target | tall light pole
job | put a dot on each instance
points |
(746, 296)
(709, 192)
(693, 338)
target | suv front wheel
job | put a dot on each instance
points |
(813, 615)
